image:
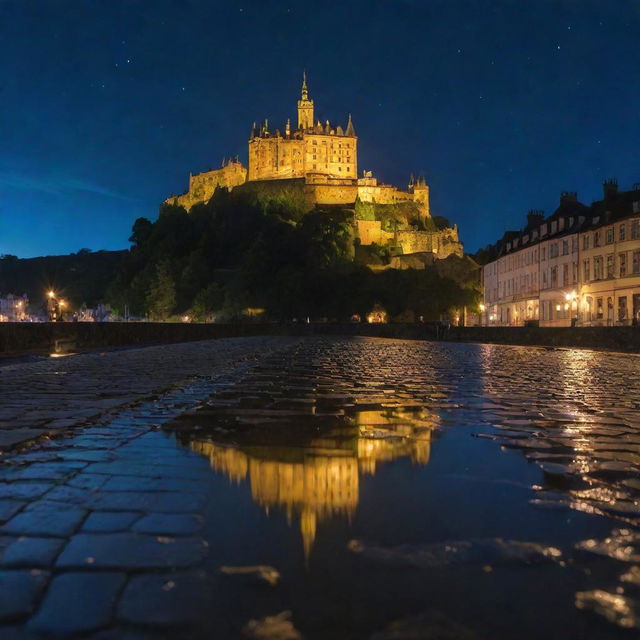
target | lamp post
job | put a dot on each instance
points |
(53, 308)
(483, 308)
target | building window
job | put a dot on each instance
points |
(599, 311)
(609, 236)
(585, 242)
(622, 258)
(635, 229)
(565, 247)
(596, 239)
(565, 274)
(636, 261)
(622, 233)
(597, 268)
(554, 277)
(622, 309)
(553, 250)
(610, 264)
(585, 271)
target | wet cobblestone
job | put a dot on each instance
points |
(99, 505)
(116, 509)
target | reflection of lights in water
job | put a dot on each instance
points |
(322, 480)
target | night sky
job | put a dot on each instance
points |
(106, 105)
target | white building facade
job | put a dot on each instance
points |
(580, 266)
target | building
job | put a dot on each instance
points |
(610, 259)
(580, 266)
(14, 308)
(319, 162)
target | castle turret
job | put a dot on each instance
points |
(421, 196)
(305, 107)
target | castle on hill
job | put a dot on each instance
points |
(321, 161)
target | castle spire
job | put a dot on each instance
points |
(305, 106)
(350, 130)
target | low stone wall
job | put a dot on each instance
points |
(20, 338)
(63, 337)
(610, 338)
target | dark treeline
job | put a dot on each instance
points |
(81, 277)
(239, 252)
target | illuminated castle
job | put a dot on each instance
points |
(320, 162)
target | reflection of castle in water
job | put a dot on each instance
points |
(321, 479)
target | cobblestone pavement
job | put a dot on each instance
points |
(51, 396)
(105, 530)
(100, 525)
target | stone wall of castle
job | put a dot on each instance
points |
(441, 243)
(203, 185)
(272, 157)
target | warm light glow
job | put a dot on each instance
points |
(62, 303)
(322, 480)
(572, 295)
(51, 294)
(482, 308)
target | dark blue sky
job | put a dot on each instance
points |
(106, 105)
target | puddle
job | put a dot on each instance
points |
(415, 490)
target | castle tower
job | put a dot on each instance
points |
(305, 107)
(421, 196)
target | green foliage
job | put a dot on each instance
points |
(365, 210)
(440, 222)
(245, 249)
(161, 296)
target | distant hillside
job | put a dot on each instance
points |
(79, 277)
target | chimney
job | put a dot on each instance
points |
(568, 196)
(534, 218)
(610, 188)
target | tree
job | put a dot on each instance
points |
(161, 297)
(141, 232)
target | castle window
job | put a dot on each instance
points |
(314, 166)
(339, 168)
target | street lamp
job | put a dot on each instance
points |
(483, 308)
